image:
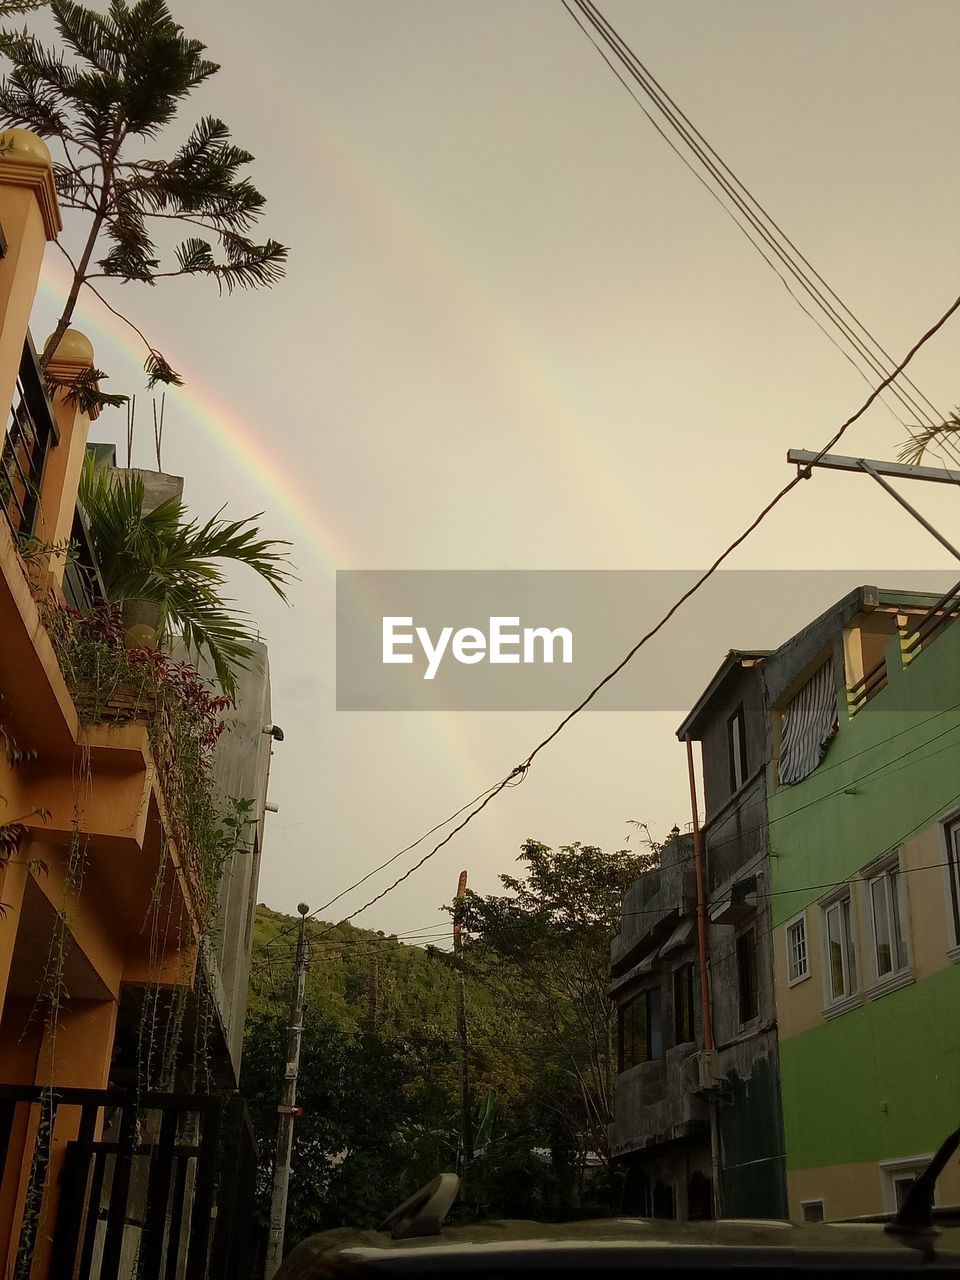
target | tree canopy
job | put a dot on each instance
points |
(379, 1079)
(103, 95)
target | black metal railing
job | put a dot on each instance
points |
(82, 584)
(166, 1178)
(868, 686)
(30, 435)
(914, 640)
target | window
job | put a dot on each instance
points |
(841, 951)
(737, 746)
(890, 949)
(797, 964)
(811, 1210)
(952, 833)
(896, 1179)
(683, 1029)
(640, 1029)
(747, 975)
(902, 1182)
(809, 725)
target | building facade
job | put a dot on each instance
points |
(730, 723)
(865, 856)
(115, 949)
(661, 1127)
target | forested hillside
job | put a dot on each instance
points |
(381, 1057)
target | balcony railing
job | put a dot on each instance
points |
(82, 584)
(31, 433)
(913, 640)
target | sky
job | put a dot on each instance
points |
(516, 333)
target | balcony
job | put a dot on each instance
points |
(31, 433)
(658, 1102)
(916, 632)
(654, 903)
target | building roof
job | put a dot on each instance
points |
(736, 660)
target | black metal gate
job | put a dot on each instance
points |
(165, 1192)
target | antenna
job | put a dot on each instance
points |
(158, 427)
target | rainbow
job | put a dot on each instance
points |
(215, 416)
(393, 217)
(239, 439)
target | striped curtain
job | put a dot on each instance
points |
(809, 723)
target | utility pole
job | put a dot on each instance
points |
(288, 1107)
(805, 461)
(373, 991)
(466, 1129)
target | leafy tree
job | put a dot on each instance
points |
(543, 949)
(116, 81)
(163, 558)
(364, 1143)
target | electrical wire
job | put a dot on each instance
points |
(519, 772)
(840, 316)
(393, 858)
(721, 956)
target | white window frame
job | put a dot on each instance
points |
(895, 902)
(737, 747)
(852, 995)
(891, 1171)
(809, 1204)
(950, 831)
(801, 975)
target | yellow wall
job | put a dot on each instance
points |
(925, 895)
(853, 1190)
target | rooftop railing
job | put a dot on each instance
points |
(914, 638)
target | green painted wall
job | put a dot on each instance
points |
(882, 1080)
(876, 1083)
(901, 757)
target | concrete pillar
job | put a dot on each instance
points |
(13, 880)
(29, 217)
(61, 477)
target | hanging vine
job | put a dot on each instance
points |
(110, 683)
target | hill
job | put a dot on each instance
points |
(353, 973)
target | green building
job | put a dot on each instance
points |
(863, 794)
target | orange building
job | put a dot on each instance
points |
(101, 894)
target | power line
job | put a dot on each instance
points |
(393, 858)
(839, 884)
(750, 208)
(264, 960)
(520, 771)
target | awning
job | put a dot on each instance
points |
(738, 905)
(640, 970)
(679, 938)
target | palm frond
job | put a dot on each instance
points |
(161, 557)
(926, 438)
(85, 393)
(159, 370)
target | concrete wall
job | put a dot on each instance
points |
(743, 686)
(660, 1123)
(241, 772)
(653, 904)
(749, 1123)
